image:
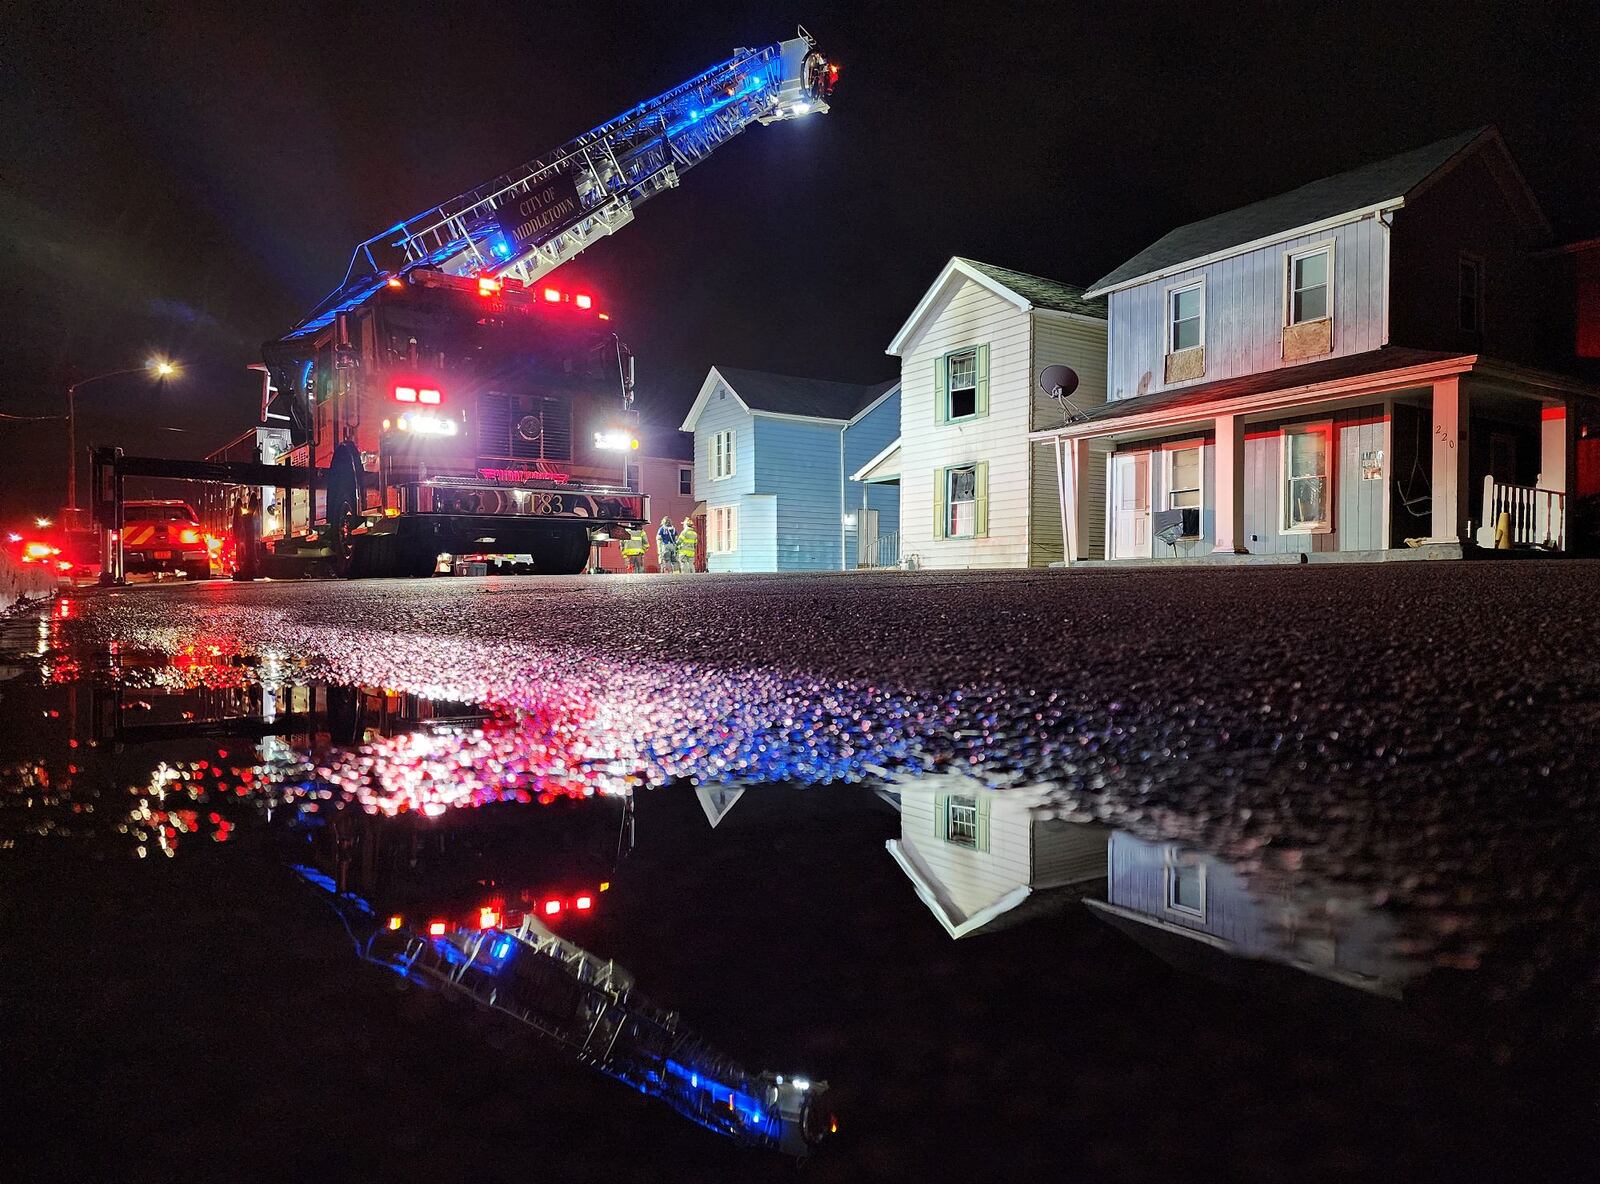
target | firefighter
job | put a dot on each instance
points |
(667, 544)
(688, 545)
(634, 547)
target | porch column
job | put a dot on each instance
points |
(1449, 461)
(1072, 458)
(1228, 486)
(1552, 448)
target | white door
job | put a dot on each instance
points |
(1130, 505)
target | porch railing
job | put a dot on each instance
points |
(1538, 516)
(883, 551)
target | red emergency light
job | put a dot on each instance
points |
(436, 929)
(583, 301)
(429, 395)
(553, 295)
(488, 918)
(405, 394)
(487, 285)
(552, 907)
(583, 903)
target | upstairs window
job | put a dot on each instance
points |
(685, 480)
(722, 455)
(963, 368)
(1307, 507)
(1185, 318)
(1186, 886)
(1309, 286)
(1470, 294)
(1183, 478)
(962, 821)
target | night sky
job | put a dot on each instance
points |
(190, 179)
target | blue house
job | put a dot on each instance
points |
(774, 456)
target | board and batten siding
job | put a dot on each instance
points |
(722, 412)
(1358, 517)
(966, 879)
(1244, 313)
(967, 315)
(800, 467)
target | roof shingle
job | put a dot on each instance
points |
(1040, 292)
(1328, 198)
(816, 397)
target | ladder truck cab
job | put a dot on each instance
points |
(452, 395)
(458, 415)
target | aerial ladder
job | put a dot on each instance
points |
(529, 221)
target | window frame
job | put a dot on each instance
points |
(685, 477)
(949, 387)
(1171, 866)
(1170, 451)
(1318, 427)
(1464, 261)
(722, 457)
(1290, 258)
(722, 527)
(965, 832)
(950, 502)
(1169, 303)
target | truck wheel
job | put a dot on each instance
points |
(563, 555)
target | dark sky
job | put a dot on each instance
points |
(190, 179)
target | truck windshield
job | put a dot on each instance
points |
(133, 512)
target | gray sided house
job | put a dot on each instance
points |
(1377, 364)
(773, 458)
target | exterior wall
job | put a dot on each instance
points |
(1477, 209)
(656, 476)
(1068, 852)
(967, 315)
(1358, 521)
(863, 440)
(724, 411)
(1340, 938)
(758, 536)
(968, 879)
(1065, 341)
(1161, 483)
(800, 464)
(1244, 311)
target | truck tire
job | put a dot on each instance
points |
(565, 554)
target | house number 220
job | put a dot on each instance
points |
(1443, 433)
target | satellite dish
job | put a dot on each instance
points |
(1058, 381)
(530, 428)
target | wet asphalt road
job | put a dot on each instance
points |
(1416, 736)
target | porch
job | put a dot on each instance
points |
(1393, 454)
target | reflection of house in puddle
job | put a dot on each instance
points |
(975, 855)
(1188, 908)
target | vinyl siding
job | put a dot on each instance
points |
(1068, 852)
(863, 440)
(1244, 311)
(758, 535)
(968, 879)
(724, 411)
(1059, 340)
(967, 315)
(799, 464)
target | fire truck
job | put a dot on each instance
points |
(453, 396)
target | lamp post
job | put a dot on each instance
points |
(159, 367)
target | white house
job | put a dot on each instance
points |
(974, 854)
(974, 490)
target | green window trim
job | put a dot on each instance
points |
(941, 501)
(941, 385)
(941, 820)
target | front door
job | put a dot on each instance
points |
(1130, 505)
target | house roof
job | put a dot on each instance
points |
(883, 468)
(1326, 370)
(786, 394)
(1025, 292)
(1381, 183)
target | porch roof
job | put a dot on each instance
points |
(1309, 378)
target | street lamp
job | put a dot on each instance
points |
(159, 367)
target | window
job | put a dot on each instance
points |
(1310, 286)
(961, 384)
(1470, 294)
(961, 822)
(1185, 318)
(686, 479)
(962, 502)
(1307, 484)
(724, 530)
(1183, 478)
(722, 455)
(1186, 885)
